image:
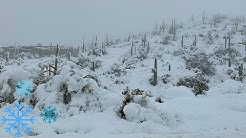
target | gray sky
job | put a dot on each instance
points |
(67, 21)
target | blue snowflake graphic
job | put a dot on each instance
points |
(17, 120)
(24, 88)
(49, 114)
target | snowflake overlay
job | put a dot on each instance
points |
(49, 114)
(18, 121)
(24, 88)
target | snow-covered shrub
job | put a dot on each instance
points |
(8, 83)
(40, 79)
(139, 107)
(95, 64)
(201, 35)
(166, 78)
(66, 93)
(179, 52)
(232, 73)
(83, 62)
(244, 59)
(97, 52)
(1, 69)
(224, 53)
(142, 54)
(166, 40)
(135, 96)
(74, 93)
(198, 87)
(200, 61)
(116, 70)
(209, 38)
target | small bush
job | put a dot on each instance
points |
(198, 87)
(165, 78)
(221, 53)
(83, 62)
(135, 96)
(66, 94)
(166, 40)
(200, 61)
(117, 71)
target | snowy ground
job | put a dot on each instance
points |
(92, 111)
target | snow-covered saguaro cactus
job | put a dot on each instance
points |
(182, 41)
(154, 70)
(195, 41)
(144, 40)
(7, 56)
(132, 49)
(69, 56)
(225, 40)
(229, 62)
(56, 62)
(229, 43)
(240, 72)
(244, 43)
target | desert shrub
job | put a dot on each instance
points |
(41, 78)
(97, 52)
(244, 59)
(201, 35)
(232, 52)
(165, 78)
(209, 38)
(97, 64)
(166, 40)
(66, 94)
(200, 61)
(180, 52)
(198, 87)
(83, 62)
(116, 70)
(1, 69)
(142, 55)
(135, 96)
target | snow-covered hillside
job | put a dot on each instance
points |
(108, 90)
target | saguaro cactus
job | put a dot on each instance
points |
(229, 43)
(93, 66)
(225, 40)
(69, 56)
(182, 41)
(132, 49)
(56, 62)
(174, 29)
(154, 70)
(245, 41)
(236, 23)
(240, 72)
(83, 44)
(7, 56)
(194, 43)
(203, 17)
(144, 39)
(229, 62)
(148, 48)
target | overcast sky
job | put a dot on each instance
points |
(67, 21)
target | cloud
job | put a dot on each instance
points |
(67, 21)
